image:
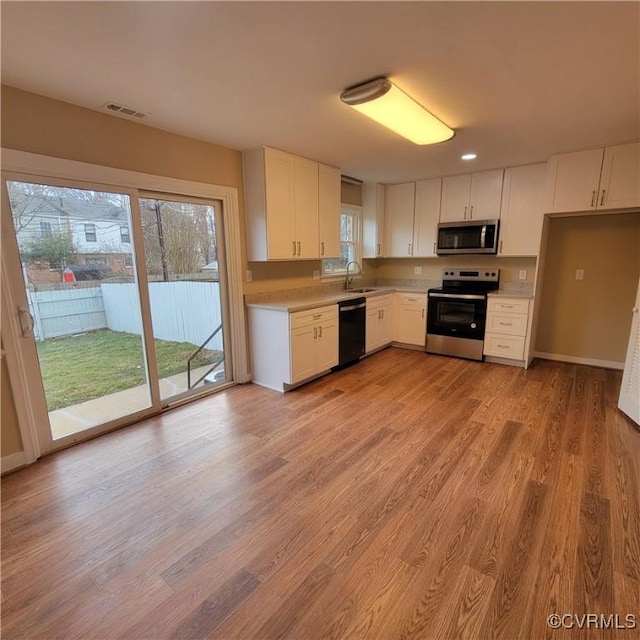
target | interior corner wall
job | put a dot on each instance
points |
(589, 318)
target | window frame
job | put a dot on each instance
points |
(90, 235)
(355, 211)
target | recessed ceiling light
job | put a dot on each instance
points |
(469, 156)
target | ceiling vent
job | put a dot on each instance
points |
(114, 107)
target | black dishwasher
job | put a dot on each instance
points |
(352, 317)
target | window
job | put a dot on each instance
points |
(350, 242)
(90, 232)
(45, 229)
(124, 234)
(128, 260)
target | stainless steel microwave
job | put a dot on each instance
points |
(473, 236)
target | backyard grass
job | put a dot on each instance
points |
(94, 364)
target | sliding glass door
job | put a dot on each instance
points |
(186, 277)
(122, 295)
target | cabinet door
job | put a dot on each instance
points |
(620, 181)
(303, 353)
(410, 326)
(372, 220)
(572, 181)
(522, 211)
(279, 177)
(399, 208)
(455, 198)
(329, 211)
(486, 195)
(305, 190)
(371, 333)
(427, 214)
(385, 325)
(327, 346)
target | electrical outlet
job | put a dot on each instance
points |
(523, 274)
(248, 275)
(579, 274)
(417, 271)
(316, 274)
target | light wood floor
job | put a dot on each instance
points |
(409, 496)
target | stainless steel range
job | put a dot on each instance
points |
(457, 312)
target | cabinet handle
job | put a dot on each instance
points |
(317, 316)
(502, 346)
(602, 197)
(294, 247)
(322, 248)
(471, 213)
(378, 252)
(507, 306)
(465, 213)
(506, 324)
(500, 246)
(423, 313)
(298, 247)
(593, 198)
(434, 249)
(315, 333)
(319, 332)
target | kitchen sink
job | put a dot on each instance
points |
(365, 290)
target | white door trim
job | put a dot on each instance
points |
(40, 167)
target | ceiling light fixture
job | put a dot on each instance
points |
(384, 102)
(469, 156)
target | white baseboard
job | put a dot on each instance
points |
(592, 362)
(12, 462)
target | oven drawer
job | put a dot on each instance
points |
(502, 346)
(508, 305)
(513, 324)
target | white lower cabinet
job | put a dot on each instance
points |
(506, 328)
(287, 348)
(379, 322)
(410, 318)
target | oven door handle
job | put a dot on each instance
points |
(458, 296)
(483, 237)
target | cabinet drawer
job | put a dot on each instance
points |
(375, 302)
(513, 324)
(504, 346)
(312, 317)
(411, 299)
(512, 305)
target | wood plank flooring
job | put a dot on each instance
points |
(410, 496)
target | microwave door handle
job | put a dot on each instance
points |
(483, 237)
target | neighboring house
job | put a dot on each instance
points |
(99, 230)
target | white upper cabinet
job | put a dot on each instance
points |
(620, 180)
(284, 194)
(305, 208)
(475, 196)
(411, 216)
(329, 211)
(399, 211)
(427, 214)
(597, 179)
(573, 181)
(522, 211)
(373, 220)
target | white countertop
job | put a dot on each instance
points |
(314, 301)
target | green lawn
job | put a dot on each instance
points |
(91, 365)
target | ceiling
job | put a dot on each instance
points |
(518, 81)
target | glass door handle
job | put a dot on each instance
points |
(26, 322)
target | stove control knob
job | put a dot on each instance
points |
(473, 325)
(493, 274)
(486, 273)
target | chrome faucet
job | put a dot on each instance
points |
(348, 280)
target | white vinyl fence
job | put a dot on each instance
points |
(63, 313)
(180, 311)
